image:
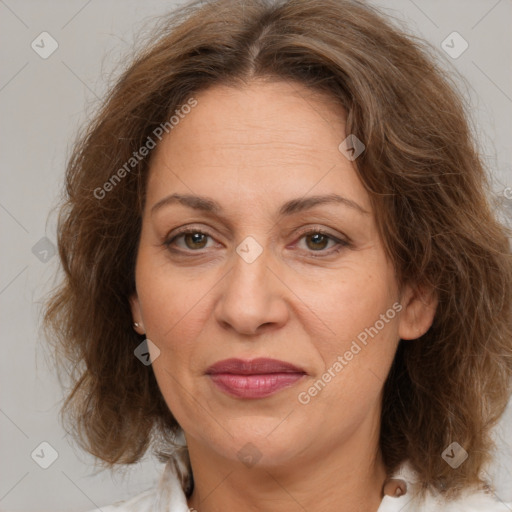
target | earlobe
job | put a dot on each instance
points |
(419, 308)
(138, 324)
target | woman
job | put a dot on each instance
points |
(277, 244)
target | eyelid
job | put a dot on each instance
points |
(319, 229)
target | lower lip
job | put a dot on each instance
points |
(254, 386)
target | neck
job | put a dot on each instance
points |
(347, 477)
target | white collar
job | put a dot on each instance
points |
(169, 495)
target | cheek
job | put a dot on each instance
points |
(172, 304)
(361, 311)
(174, 311)
(354, 299)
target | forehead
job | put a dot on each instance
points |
(258, 139)
(258, 112)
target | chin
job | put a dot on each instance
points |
(259, 440)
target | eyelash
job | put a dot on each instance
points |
(340, 244)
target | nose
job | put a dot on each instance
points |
(252, 296)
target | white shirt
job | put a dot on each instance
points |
(169, 496)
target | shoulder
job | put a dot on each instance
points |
(141, 503)
(152, 500)
(167, 496)
(469, 501)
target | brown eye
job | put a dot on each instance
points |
(195, 240)
(190, 240)
(319, 241)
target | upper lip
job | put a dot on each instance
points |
(253, 367)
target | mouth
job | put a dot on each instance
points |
(252, 379)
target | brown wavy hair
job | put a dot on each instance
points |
(429, 191)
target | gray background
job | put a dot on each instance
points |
(43, 103)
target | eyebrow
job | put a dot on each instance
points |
(290, 207)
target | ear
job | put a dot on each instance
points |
(138, 323)
(419, 307)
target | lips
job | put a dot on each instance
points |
(256, 378)
(252, 367)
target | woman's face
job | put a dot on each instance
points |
(283, 261)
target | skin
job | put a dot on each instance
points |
(251, 149)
